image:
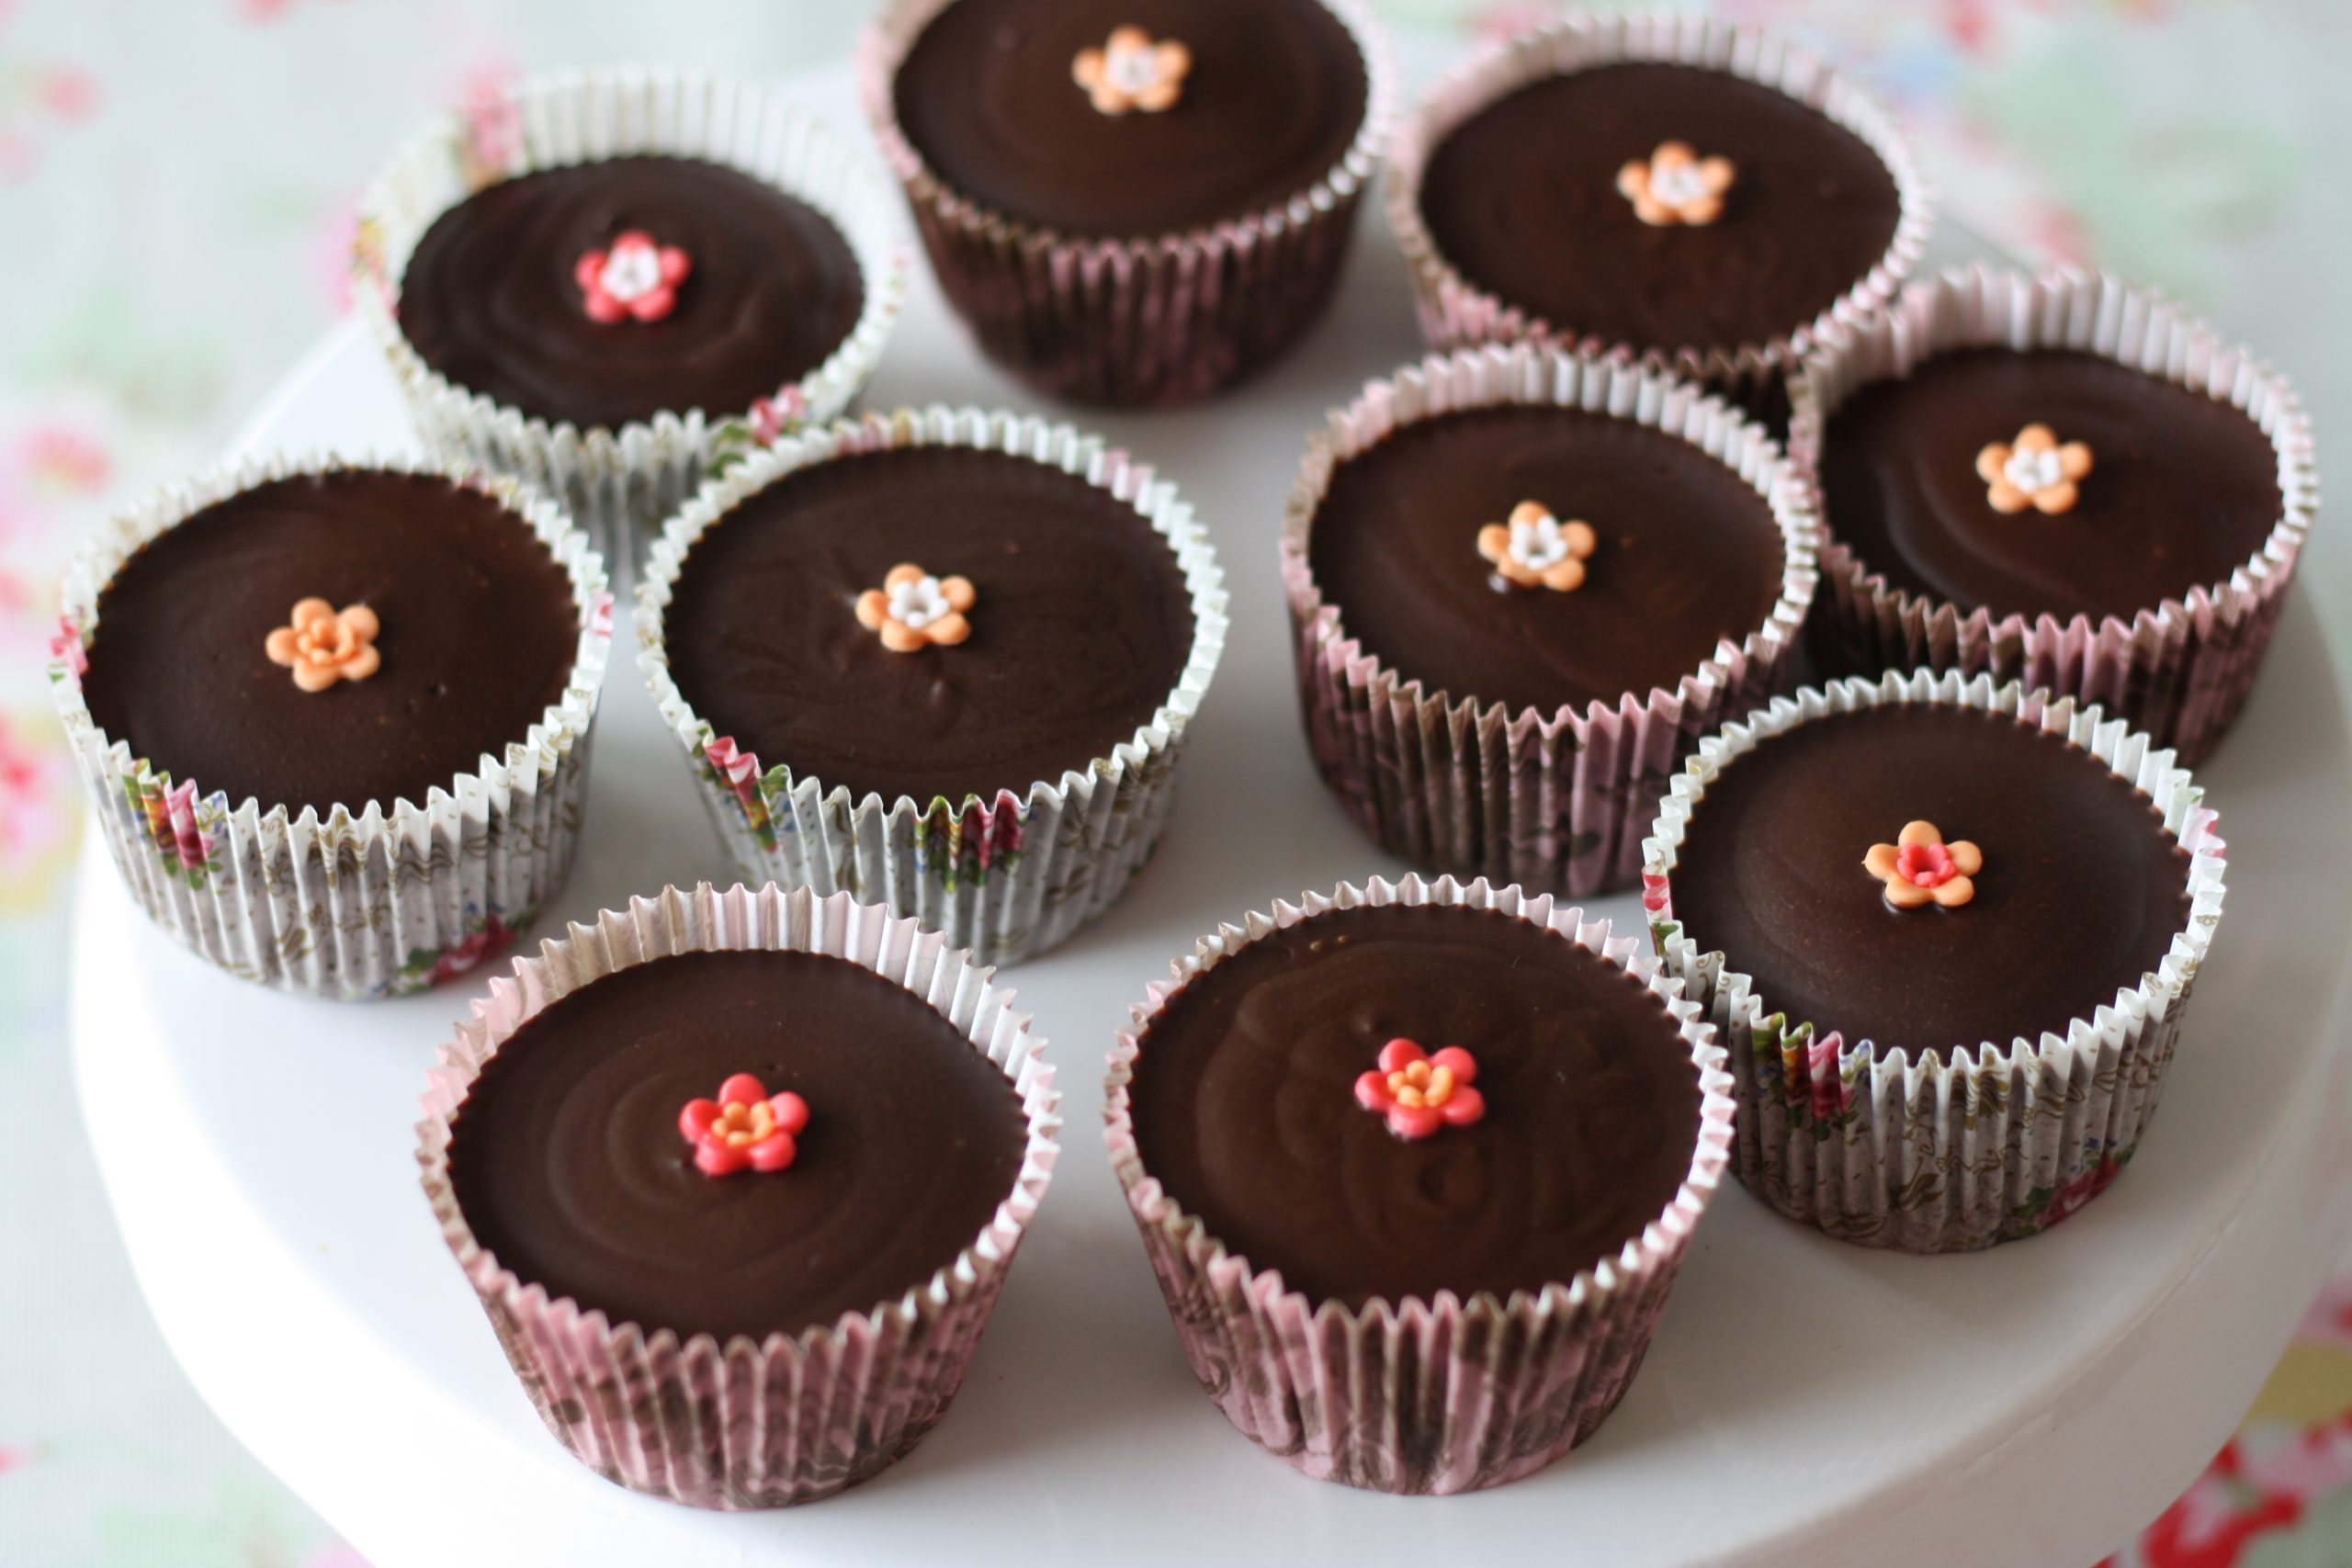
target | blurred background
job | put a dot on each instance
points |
(177, 180)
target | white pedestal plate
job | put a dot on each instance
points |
(1806, 1403)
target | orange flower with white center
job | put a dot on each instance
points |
(1132, 71)
(1674, 185)
(2034, 471)
(1920, 869)
(913, 609)
(1535, 549)
(322, 645)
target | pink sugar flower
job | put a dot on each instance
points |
(746, 1128)
(634, 279)
(1420, 1092)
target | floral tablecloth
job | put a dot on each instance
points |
(176, 182)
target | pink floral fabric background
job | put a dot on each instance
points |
(178, 179)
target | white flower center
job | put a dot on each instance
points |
(631, 271)
(1132, 71)
(1677, 185)
(1539, 544)
(2034, 471)
(917, 604)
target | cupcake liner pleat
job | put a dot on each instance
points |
(621, 483)
(1943, 1151)
(746, 1424)
(1440, 1396)
(1004, 877)
(1455, 313)
(2179, 669)
(1155, 320)
(361, 901)
(1558, 802)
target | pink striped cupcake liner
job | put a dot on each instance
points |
(2179, 669)
(1455, 312)
(1148, 319)
(1938, 1151)
(747, 1424)
(1555, 802)
(1441, 1395)
(620, 483)
(369, 898)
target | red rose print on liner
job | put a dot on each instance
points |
(746, 1128)
(634, 279)
(1420, 1092)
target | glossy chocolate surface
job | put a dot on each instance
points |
(1275, 98)
(2183, 490)
(1081, 629)
(489, 299)
(1688, 555)
(479, 633)
(2081, 894)
(1522, 199)
(1245, 1106)
(568, 1163)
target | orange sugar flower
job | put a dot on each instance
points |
(1535, 549)
(1132, 71)
(1674, 185)
(913, 609)
(2034, 471)
(1920, 869)
(322, 645)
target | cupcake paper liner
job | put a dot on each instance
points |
(1558, 802)
(1943, 1151)
(1445, 1394)
(622, 483)
(2179, 669)
(1152, 318)
(361, 901)
(1006, 876)
(1455, 312)
(790, 1418)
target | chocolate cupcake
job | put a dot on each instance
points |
(1415, 1166)
(1523, 583)
(737, 1177)
(610, 283)
(1131, 201)
(1901, 898)
(1703, 197)
(2063, 480)
(335, 719)
(947, 660)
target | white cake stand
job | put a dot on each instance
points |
(1806, 1402)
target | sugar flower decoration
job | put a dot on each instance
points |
(1674, 185)
(322, 645)
(1535, 549)
(632, 280)
(1132, 71)
(1418, 1092)
(913, 609)
(1920, 869)
(745, 1128)
(2034, 471)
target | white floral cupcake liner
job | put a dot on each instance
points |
(1144, 320)
(1455, 312)
(1445, 1394)
(2179, 669)
(363, 900)
(621, 483)
(1943, 1152)
(1007, 876)
(791, 1418)
(1556, 802)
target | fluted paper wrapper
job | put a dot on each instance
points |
(1152, 319)
(1943, 1150)
(1445, 1394)
(363, 900)
(1455, 312)
(621, 483)
(2179, 669)
(1005, 876)
(1555, 802)
(790, 1418)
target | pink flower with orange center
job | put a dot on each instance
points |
(1420, 1092)
(746, 1128)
